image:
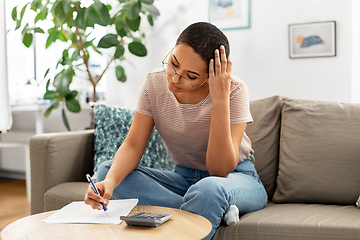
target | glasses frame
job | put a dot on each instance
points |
(164, 64)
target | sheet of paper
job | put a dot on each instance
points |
(79, 212)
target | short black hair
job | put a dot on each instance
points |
(204, 38)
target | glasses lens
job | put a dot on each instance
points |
(168, 69)
(184, 83)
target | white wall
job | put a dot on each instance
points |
(355, 60)
(260, 53)
(5, 113)
(263, 51)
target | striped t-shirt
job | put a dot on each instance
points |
(184, 128)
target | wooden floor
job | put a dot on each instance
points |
(13, 201)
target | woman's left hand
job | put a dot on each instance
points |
(220, 77)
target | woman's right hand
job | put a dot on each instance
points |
(105, 189)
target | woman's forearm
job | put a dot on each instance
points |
(125, 161)
(128, 156)
(221, 157)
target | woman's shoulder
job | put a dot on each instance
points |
(237, 85)
(156, 73)
(155, 80)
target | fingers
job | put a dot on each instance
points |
(106, 198)
(222, 64)
(223, 59)
(92, 199)
(229, 65)
(217, 62)
(211, 68)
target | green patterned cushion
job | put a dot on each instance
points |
(111, 125)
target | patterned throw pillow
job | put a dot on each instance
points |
(111, 125)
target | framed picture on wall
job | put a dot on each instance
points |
(317, 39)
(229, 14)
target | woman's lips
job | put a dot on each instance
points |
(173, 86)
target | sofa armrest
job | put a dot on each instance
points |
(57, 158)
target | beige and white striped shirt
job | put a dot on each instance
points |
(184, 128)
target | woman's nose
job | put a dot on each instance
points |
(176, 78)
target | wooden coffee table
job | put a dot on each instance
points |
(182, 225)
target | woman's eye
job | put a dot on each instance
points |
(192, 78)
(174, 64)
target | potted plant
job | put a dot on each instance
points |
(72, 22)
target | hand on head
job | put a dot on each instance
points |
(220, 75)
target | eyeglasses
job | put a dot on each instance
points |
(170, 71)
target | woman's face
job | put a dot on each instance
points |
(187, 64)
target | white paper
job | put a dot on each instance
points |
(79, 212)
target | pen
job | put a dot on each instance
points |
(96, 191)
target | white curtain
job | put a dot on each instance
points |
(5, 111)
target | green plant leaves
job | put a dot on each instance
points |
(80, 19)
(138, 49)
(42, 13)
(151, 9)
(23, 11)
(72, 22)
(61, 83)
(65, 120)
(62, 94)
(53, 36)
(109, 40)
(120, 73)
(99, 13)
(14, 14)
(36, 4)
(38, 30)
(27, 39)
(119, 51)
(50, 94)
(54, 105)
(147, 1)
(134, 24)
(132, 9)
(121, 27)
(150, 20)
(66, 4)
(73, 105)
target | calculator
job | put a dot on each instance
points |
(146, 219)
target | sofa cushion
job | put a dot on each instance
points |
(319, 158)
(295, 222)
(264, 133)
(111, 125)
(63, 194)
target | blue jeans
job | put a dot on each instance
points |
(193, 190)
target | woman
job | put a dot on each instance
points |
(200, 111)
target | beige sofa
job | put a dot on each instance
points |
(307, 155)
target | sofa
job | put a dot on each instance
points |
(307, 154)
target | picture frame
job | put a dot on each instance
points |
(229, 14)
(316, 39)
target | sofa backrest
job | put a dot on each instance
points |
(307, 151)
(319, 158)
(264, 133)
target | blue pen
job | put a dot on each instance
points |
(96, 191)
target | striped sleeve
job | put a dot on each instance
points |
(239, 104)
(143, 104)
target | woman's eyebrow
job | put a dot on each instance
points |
(175, 59)
(179, 64)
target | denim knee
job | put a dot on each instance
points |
(103, 170)
(208, 189)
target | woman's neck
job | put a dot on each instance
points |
(193, 97)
